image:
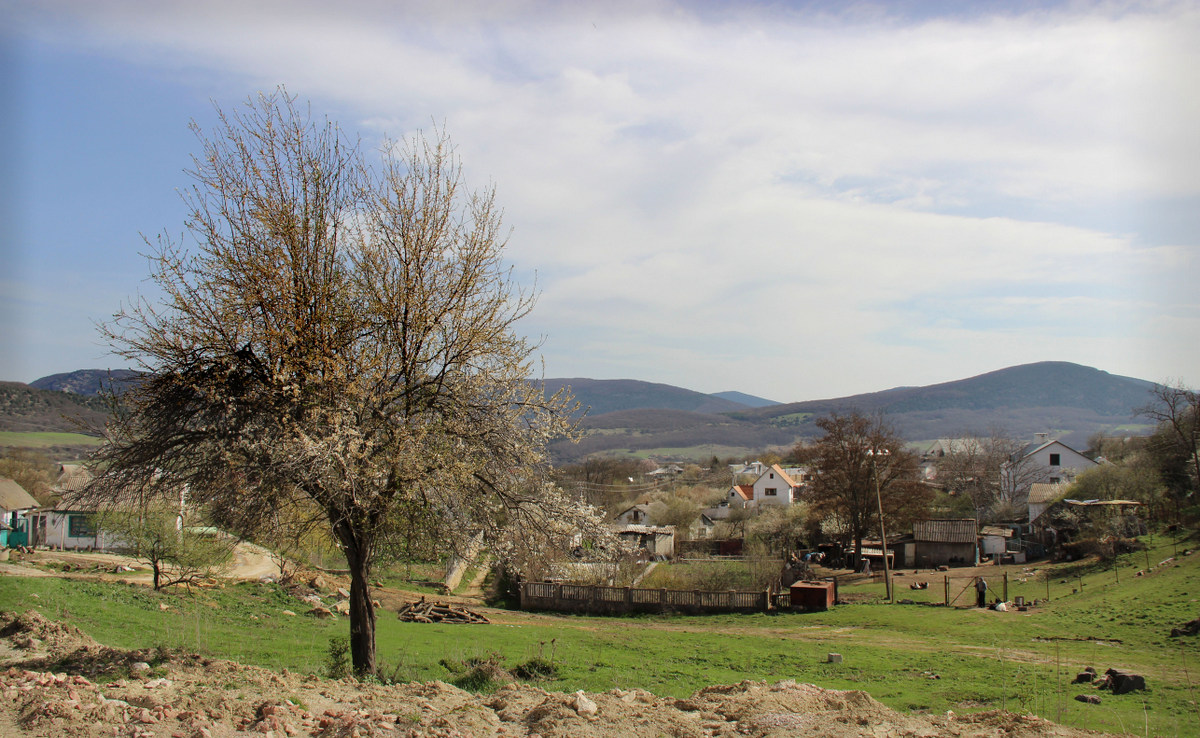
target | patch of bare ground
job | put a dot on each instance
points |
(55, 681)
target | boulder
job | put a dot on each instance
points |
(1083, 677)
(317, 582)
(320, 613)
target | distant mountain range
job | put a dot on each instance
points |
(627, 416)
(1067, 400)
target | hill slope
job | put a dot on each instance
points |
(87, 382)
(26, 409)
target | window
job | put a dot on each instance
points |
(1054, 480)
(769, 491)
(80, 526)
(1055, 460)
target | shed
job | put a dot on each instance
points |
(993, 540)
(945, 542)
(657, 540)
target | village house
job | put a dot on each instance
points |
(1044, 461)
(635, 515)
(14, 500)
(774, 486)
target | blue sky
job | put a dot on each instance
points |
(795, 200)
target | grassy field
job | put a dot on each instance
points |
(46, 440)
(912, 657)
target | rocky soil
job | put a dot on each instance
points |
(56, 681)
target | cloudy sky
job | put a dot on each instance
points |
(791, 199)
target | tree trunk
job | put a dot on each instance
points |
(362, 613)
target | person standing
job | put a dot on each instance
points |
(981, 588)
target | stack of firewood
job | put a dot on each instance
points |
(438, 612)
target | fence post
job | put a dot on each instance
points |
(946, 581)
(1006, 586)
(697, 601)
(662, 600)
(629, 599)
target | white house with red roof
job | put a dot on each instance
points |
(774, 486)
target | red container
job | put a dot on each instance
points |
(812, 595)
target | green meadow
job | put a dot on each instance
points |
(914, 657)
(46, 439)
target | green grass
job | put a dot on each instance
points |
(1017, 661)
(46, 440)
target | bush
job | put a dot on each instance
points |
(535, 669)
(337, 658)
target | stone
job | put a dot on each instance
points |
(583, 706)
(317, 582)
(1090, 699)
(1083, 677)
(320, 613)
(138, 667)
(833, 658)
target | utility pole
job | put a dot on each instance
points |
(887, 569)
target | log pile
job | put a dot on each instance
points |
(438, 612)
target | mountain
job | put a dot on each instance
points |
(600, 396)
(1054, 396)
(88, 382)
(744, 399)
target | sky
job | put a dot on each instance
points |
(797, 200)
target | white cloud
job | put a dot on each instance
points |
(858, 189)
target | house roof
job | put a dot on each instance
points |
(745, 490)
(659, 530)
(643, 508)
(1042, 492)
(783, 475)
(72, 478)
(14, 497)
(961, 530)
(995, 530)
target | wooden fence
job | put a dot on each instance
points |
(621, 600)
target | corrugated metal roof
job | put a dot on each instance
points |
(945, 531)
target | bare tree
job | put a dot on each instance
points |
(855, 451)
(973, 465)
(339, 340)
(1176, 409)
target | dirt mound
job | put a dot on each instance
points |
(67, 685)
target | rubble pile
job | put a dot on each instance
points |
(180, 695)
